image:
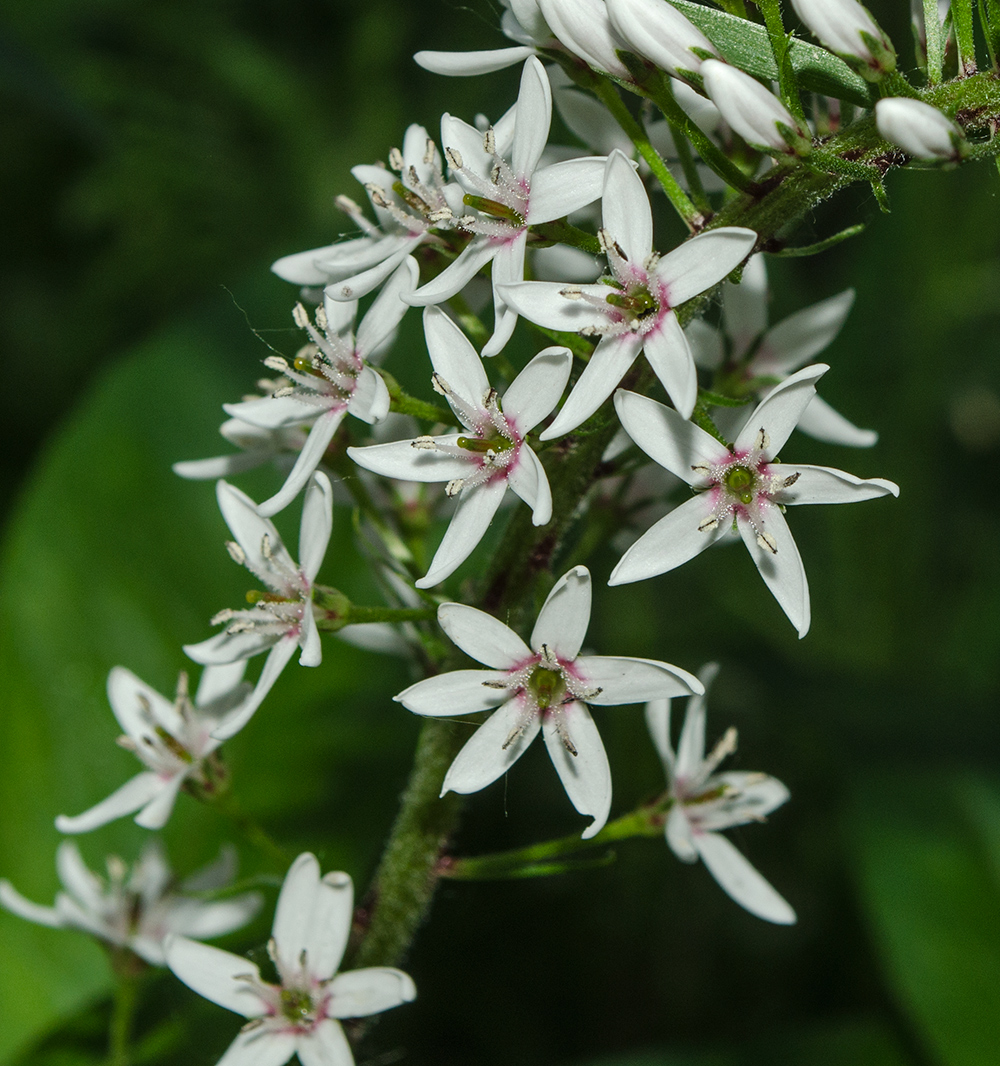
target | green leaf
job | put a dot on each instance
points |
(926, 852)
(803, 250)
(747, 46)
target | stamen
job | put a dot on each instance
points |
(424, 443)
(710, 523)
(454, 157)
(300, 316)
(790, 481)
(454, 487)
(429, 152)
(223, 616)
(762, 441)
(236, 553)
(274, 362)
(767, 542)
(396, 160)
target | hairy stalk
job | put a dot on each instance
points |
(128, 970)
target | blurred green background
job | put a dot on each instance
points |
(157, 157)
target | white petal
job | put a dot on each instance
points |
(222, 465)
(307, 460)
(456, 275)
(781, 410)
(400, 459)
(293, 915)
(340, 316)
(370, 399)
(667, 437)
(703, 261)
(272, 412)
(670, 357)
(672, 541)
(156, 813)
(821, 484)
(744, 306)
(468, 142)
(453, 356)
(358, 993)
(83, 885)
(326, 1045)
(527, 478)
(752, 797)
(691, 745)
(309, 640)
(782, 570)
(133, 701)
(625, 209)
(796, 339)
(329, 924)
(134, 794)
(250, 528)
(467, 63)
(752, 111)
(533, 116)
(469, 523)
(482, 637)
(203, 921)
(302, 268)
(256, 1048)
(821, 421)
(563, 620)
(586, 776)
(275, 662)
(678, 834)
(626, 680)
(584, 28)
(659, 32)
(226, 648)
(386, 313)
(508, 267)
(13, 901)
(380, 637)
(218, 683)
(215, 974)
(740, 880)
(658, 723)
(562, 188)
(543, 302)
(456, 692)
(589, 120)
(607, 366)
(358, 285)
(484, 758)
(537, 389)
(316, 525)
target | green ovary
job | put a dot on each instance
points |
(740, 483)
(297, 1005)
(547, 686)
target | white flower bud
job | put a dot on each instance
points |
(660, 33)
(584, 28)
(746, 105)
(919, 129)
(839, 25)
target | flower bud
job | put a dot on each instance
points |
(584, 28)
(845, 27)
(660, 33)
(748, 107)
(919, 129)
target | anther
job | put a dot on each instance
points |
(347, 205)
(454, 157)
(378, 195)
(429, 152)
(710, 523)
(265, 546)
(762, 441)
(767, 542)
(702, 468)
(790, 481)
(424, 443)
(222, 616)
(275, 362)
(454, 487)
(495, 684)
(236, 553)
(396, 160)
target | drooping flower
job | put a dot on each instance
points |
(632, 310)
(753, 112)
(744, 486)
(331, 377)
(410, 202)
(776, 352)
(172, 738)
(137, 909)
(845, 27)
(281, 619)
(919, 129)
(491, 453)
(660, 33)
(706, 802)
(508, 198)
(300, 1013)
(542, 687)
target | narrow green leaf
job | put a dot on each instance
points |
(715, 399)
(820, 246)
(961, 11)
(935, 42)
(492, 870)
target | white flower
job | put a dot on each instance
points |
(173, 739)
(299, 1015)
(919, 129)
(744, 486)
(546, 687)
(480, 463)
(508, 198)
(839, 24)
(705, 802)
(584, 28)
(282, 618)
(257, 447)
(632, 310)
(751, 111)
(777, 351)
(408, 207)
(138, 909)
(659, 32)
(521, 22)
(331, 376)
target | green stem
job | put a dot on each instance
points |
(561, 232)
(406, 404)
(961, 11)
(126, 998)
(787, 87)
(690, 168)
(935, 42)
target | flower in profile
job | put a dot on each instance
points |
(281, 618)
(743, 486)
(584, 28)
(508, 197)
(763, 357)
(331, 377)
(660, 33)
(542, 687)
(490, 454)
(847, 28)
(172, 738)
(919, 129)
(137, 909)
(632, 310)
(298, 1014)
(705, 802)
(757, 115)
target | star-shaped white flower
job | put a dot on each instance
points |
(632, 310)
(546, 687)
(778, 351)
(491, 454)
(298, 1015)
(508, 198)
(173, 739)
(137, 909)
(705, 802)
(409, 202)
(282, 618)
(744, 486)
(331, 376)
